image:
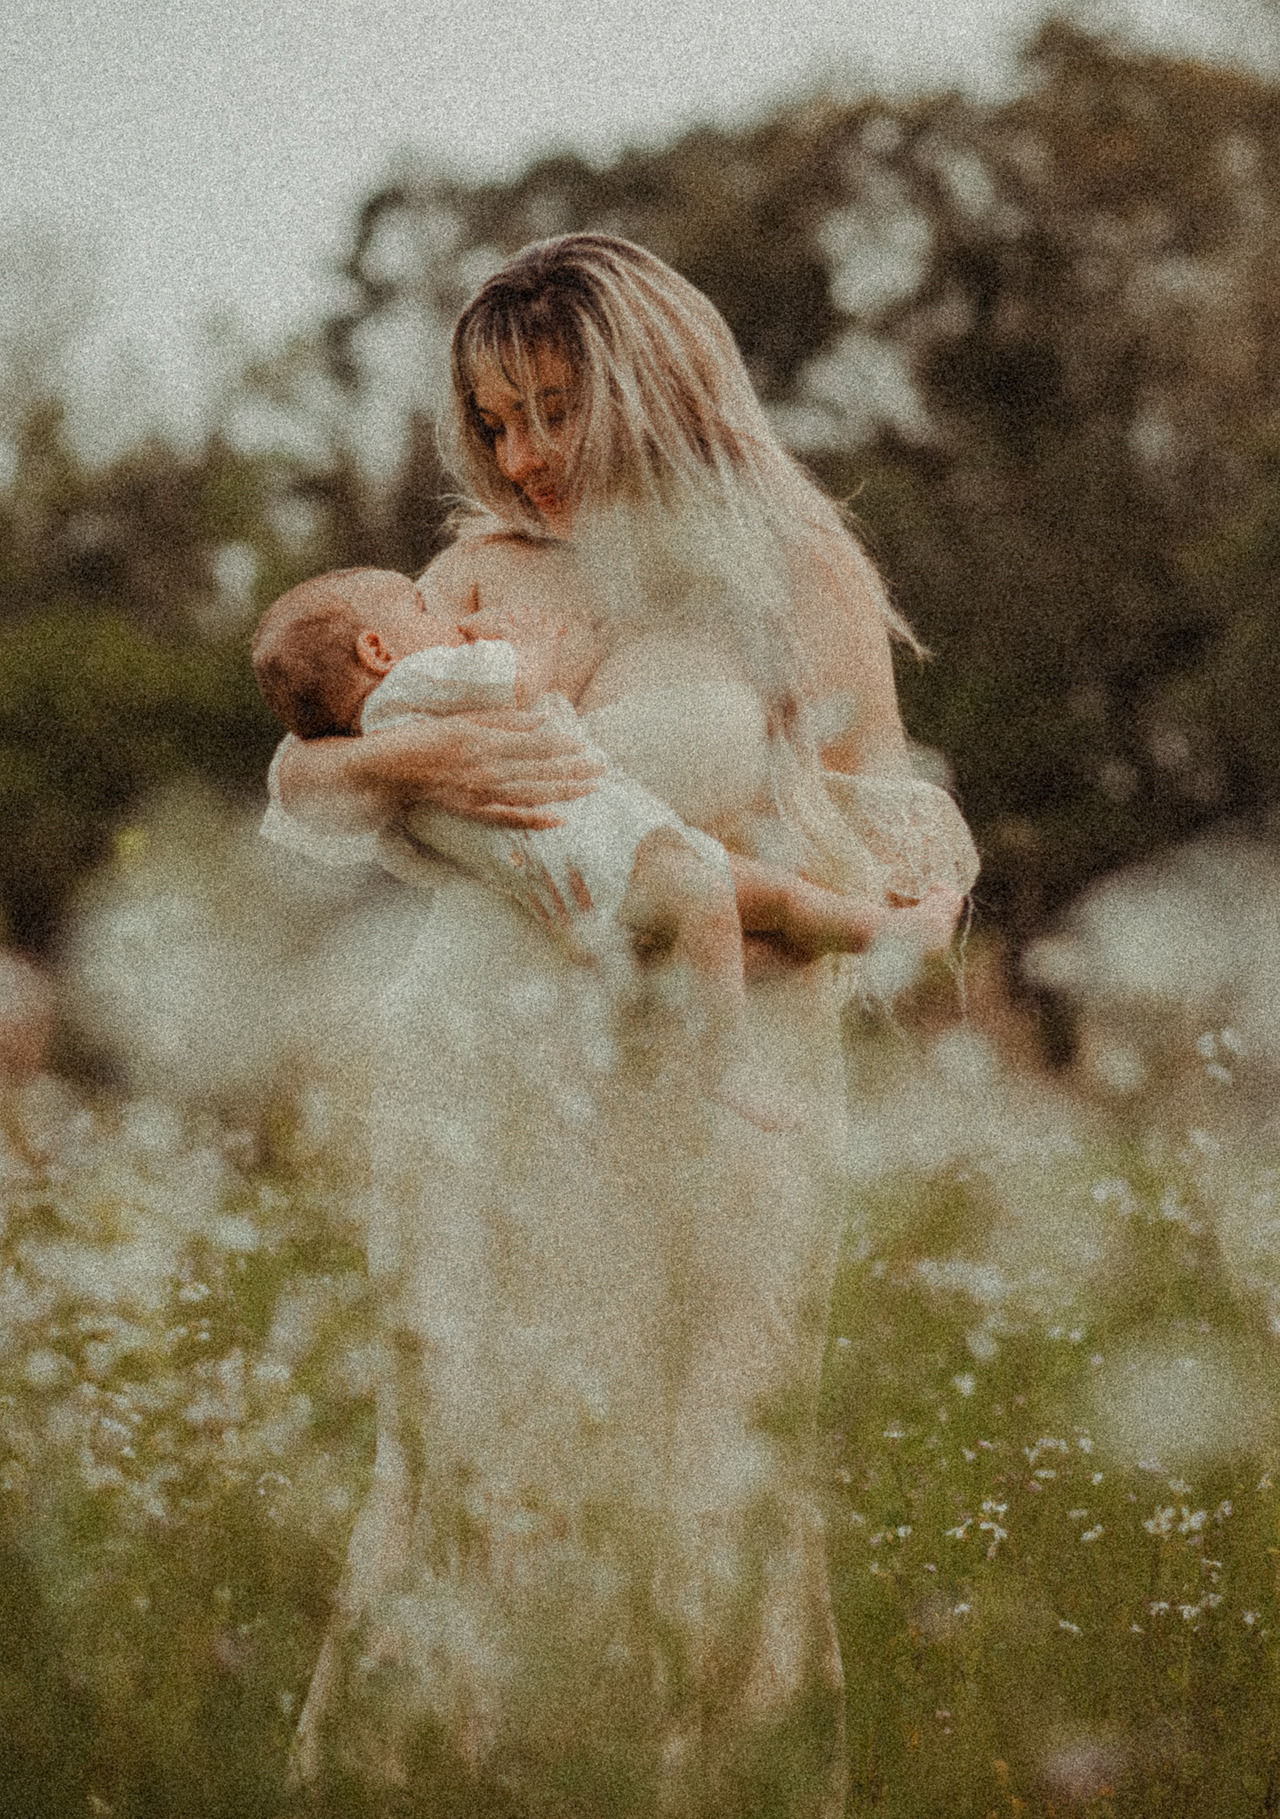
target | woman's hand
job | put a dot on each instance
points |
(503, 768)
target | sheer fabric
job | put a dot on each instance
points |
(589, 1577)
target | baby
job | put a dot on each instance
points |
(359, 649)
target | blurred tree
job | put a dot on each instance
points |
(1036, 339)
(127, 592)
(1094, 339)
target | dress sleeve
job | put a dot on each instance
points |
(912, 828)
(300, 836)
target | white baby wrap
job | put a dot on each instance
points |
(573, 877)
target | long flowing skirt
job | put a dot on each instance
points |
(589, 1577)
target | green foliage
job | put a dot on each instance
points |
(1045, 1601)
(1034, 340)
(168, 1567)
(96, 715)
(1054, 1625)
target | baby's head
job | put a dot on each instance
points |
(323, 647)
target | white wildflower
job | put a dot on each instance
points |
(45, 1369)
(990, 1524)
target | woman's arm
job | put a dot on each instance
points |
(504, 768)
(500, 768)
(844, 636)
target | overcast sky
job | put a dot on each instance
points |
(207, 153)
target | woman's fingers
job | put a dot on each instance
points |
(508, 719)
(530, 795)
(535, 745)
(558, 779)
(510, 768)
(507, 814)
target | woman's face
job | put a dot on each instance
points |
(536, 468)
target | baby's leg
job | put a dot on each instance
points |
(680, 903)
(810, 919)
(813, 920)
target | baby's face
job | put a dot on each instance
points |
(402, 615)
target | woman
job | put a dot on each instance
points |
(589, 1577)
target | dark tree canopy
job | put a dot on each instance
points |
(1035, 341)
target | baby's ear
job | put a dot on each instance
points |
(372, 654)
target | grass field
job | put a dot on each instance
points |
(1048, 1413)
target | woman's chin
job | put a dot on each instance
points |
(553, 512)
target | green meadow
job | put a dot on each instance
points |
(1048, 1436)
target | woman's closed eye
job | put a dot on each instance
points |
(495, 431)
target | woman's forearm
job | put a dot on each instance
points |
(507, 769)
(345, 786)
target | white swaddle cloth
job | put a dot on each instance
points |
(573, 877)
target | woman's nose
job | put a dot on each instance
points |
(519, 456)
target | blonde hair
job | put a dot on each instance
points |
(681, 496)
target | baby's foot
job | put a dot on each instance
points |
(744, 1088)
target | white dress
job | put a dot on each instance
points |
(573, 877)
(589, 1578)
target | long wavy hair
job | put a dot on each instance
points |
(684, 503)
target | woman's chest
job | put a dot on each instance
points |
(703, 747)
